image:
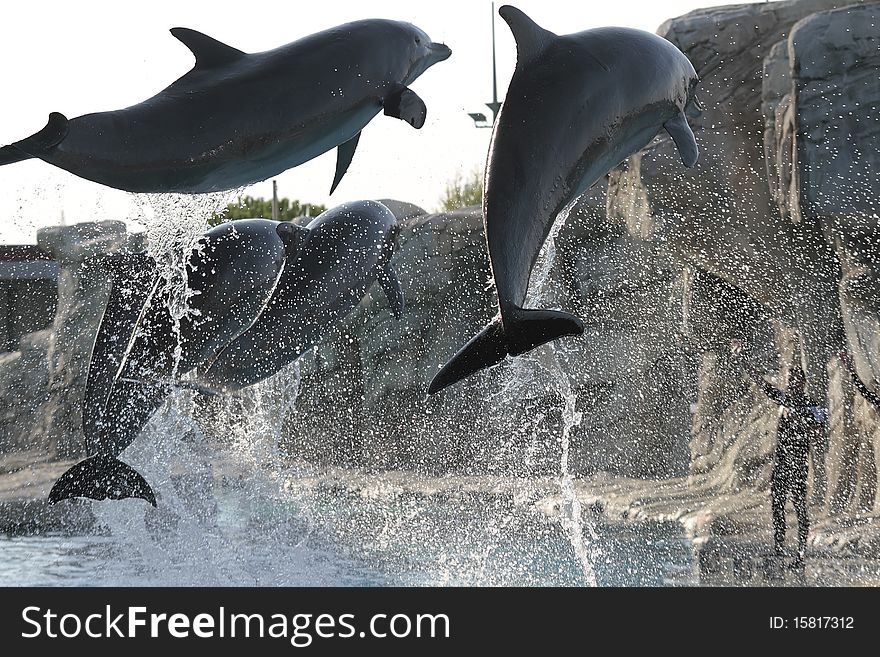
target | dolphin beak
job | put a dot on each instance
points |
(439, 52)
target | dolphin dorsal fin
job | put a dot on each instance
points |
(531, 38)
(208, 51)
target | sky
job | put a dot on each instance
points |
(91, 55)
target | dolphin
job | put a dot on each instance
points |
(264, 292)
(577, 105)
(239, 118)
(347, 251)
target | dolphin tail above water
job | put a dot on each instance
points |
(521, 331)
(101, 478)
(35, 145)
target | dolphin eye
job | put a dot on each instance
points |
(418, 40)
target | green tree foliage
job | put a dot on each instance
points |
(463, 191)
(249, 207)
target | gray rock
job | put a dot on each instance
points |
(835, 60)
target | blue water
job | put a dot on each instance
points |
(328, 537)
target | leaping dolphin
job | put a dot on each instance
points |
(264, 293)
(577, 105)
(239, 118)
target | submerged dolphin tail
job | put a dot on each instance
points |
(522, 331)
(101, 478)
(37, 144)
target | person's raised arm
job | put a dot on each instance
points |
(778, 396)
(848, 363)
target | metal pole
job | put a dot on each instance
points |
(494, 70)
(274, 200)
(494, 105)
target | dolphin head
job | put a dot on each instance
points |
(348, 250)
(422, 53)
(353, 238)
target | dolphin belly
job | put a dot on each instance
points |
(346, 252)
(105, 150)
(286, 154)
(630, 138)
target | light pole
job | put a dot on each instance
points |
(480, 120)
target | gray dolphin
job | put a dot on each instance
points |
(265, 292)
(577, 105)
(239, 118)
(348, 249)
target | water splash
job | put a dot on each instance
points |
(175, 225)
(223, 516)
(547, 356)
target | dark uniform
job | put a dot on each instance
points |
(798, 422)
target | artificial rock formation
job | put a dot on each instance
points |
(780, 215)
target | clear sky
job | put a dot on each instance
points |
(91, 55)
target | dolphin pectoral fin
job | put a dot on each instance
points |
(683, 137)
(208, 51)
(694, 108)
(527, 329)
(101, 478)
(207, 391)
(293, 237)
(55, 131)
(393, 290)
(406, 105)
(343, 158)
(485, 349)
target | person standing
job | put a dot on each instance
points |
(797, 421)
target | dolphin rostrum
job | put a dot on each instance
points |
(264, 293)
(239, 118)
(577, 105)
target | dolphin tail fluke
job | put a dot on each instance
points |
(527, 329)
(522, 331)
(37, 144)
(10, 154)
(101, 478)
(485, 349)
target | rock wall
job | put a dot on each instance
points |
(24, 388)
(780, 212)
